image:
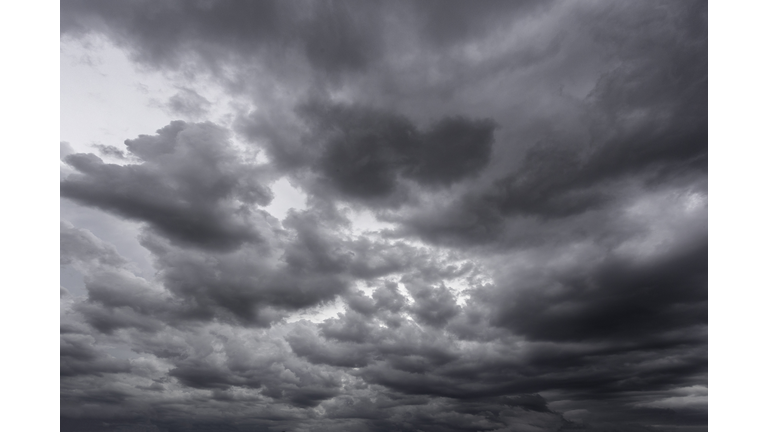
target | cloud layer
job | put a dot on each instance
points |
(505, 225)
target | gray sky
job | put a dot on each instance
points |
(417, 216)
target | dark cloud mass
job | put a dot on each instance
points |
(362, 153)
(504, 224)
(190, 186)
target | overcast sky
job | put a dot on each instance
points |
(384, 216)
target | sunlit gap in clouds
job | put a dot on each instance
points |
(286, 197)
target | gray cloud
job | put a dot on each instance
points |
(613, 300)
(365, 154)
(79, 357)
(187, 102)
(541, 170)
(331, 36)
(82, 245)
(433, 305)
(647, 119)
(110, 151)
(188, 186)
(65, 149)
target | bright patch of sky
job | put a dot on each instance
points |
(105, 99)
(286, 198)
(319, 313)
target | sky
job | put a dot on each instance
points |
(383, 216)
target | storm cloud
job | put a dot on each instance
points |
(358, 153)
(190, 186)
(502, 223)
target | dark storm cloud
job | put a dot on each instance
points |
(216, 367)
(363, 149)
(543, 170)
(468, 384)
(307, 264)
(190, 186)
(413, 414)
(433, 305)
(79, 357)
(116, 298)
(424, 361)
(615, 299)
(455, 21)
(647, 120)
(254, 286)
(603, 328)
(554, 183)
(364, 154)
(332, 36)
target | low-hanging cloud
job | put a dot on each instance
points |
(189, 186)
(505, 226)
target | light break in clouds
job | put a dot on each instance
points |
(384, 216)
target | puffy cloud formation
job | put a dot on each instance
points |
(505, 225)
(357, 153)
(190, 186)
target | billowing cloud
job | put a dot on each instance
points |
(364, 154)
(190, 186)
(505, 223)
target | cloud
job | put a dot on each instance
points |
(308, 263)
(78, 357)
(331, 36)
(81, 245)
(611, 300)
(109, 151)
(188, 103)
(65, 149)
(116, 297)
(433, 305)
(303, 265)
(646, 118)
(366, 154)
(505, 224)
(190, 186)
